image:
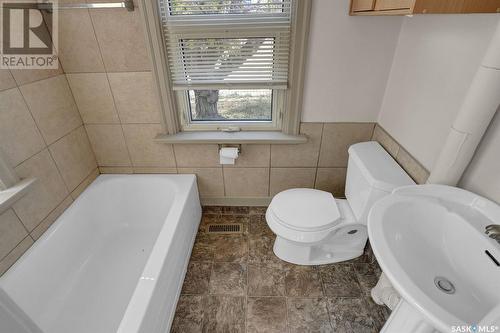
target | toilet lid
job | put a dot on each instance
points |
(305, 209)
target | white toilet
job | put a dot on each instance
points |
(313, 228)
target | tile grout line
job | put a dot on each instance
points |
(247, 280)
(110, 89)
(84, 179)
(53, 210)
(287, 317)
(319, 154)
(223, 181)
(83, 123)
(17, 215)
(118, 115)
(270, 166)
(57, 166)
(91, 19)
(36, 80)
(47, 147)
(7, 254)
(175, 161)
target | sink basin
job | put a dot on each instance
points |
(430, 242)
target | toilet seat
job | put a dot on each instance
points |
(303, 215)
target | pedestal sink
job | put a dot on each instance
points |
(430, 241)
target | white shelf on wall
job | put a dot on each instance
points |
(14, 193)
(243, 137)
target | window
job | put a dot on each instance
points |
(220, 109)
(231, 104)
(228, 60)
(229, 64)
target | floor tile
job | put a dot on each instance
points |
(235, 218)
(257, 210)
(354, 315)
(340, 280)
(228, 279)
(266, 314)
(303, 281)
(224, 314)
(266, 280)
(211, 210)
(204, 248)
(197, 278)
(379, 312)
(260, 250)
(258, 226)
(226, 210)
(367, 277)
(376, 268)
(188, 315)
(308, 315)
(234, 210)
(235, 283)
(231, 248)
(210, 218)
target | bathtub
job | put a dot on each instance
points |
(114, 261)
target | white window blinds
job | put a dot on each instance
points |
(215, 44)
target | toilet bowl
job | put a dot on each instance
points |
(313, 228)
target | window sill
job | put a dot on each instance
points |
(9, 196)
(243, 137)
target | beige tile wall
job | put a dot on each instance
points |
(260, 171)
(42, 136)
(407, 162)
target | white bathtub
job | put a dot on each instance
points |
(113, 262)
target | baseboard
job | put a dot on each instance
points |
(235, 201)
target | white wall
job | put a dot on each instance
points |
(348, 65)
(435, 60)
(483, 174)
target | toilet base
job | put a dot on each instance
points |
(341, 246)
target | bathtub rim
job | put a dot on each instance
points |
(135, 312)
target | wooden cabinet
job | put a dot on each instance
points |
(393, 4)
(362, 5)
(481, 6)
(407, 7)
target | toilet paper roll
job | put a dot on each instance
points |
(228, 155)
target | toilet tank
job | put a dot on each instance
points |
(371, 174)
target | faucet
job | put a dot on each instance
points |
(493, 231)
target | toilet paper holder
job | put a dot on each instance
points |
(230, 146)
(228, 153)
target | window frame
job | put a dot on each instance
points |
(184, 108)
(289, 107)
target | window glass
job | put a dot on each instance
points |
(231, 105)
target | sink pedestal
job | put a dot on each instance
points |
(405, 318)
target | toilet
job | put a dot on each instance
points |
(313, 228)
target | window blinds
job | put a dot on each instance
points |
(215, 44)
